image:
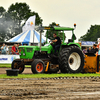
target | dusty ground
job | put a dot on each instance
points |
(50, 89)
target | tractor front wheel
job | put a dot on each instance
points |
(16, 64)
(38, 66)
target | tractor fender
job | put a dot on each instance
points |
(71, 44)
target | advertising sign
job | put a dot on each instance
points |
(8, 59)
(87, 43)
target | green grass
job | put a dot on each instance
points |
(49, 75)
(44, 75)
(9, 65)
(5, 65)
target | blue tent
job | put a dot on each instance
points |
(30, 36)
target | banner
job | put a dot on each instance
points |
(88, 43)
(30, 24)
(8, 59)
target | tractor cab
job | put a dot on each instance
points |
(58, 28)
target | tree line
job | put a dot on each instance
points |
(92, 34)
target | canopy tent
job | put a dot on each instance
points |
(30, 36)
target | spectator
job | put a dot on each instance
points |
(85, 50)
(17, 51)
(89, 50)
(3, 49)
(18, 45)
(14, 49)
(94, 49)
(7, 49)
(0, 50)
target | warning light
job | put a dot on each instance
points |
(57, 24)
(75, 25)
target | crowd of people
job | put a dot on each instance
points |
(14, 49)
(94, 49)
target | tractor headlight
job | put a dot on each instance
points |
(20, 54)
(23, 54)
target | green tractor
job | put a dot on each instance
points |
(70, 58)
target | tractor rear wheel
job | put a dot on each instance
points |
(16, 64)
(38, 66)
(71, 60)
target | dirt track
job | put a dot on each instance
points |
(50, 89)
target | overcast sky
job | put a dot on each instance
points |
(64, 12)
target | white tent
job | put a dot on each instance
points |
(30, 36)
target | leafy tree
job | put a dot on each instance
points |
(2, 24)
(2, 11)
(50, 32)
(92, 34)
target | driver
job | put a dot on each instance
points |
(57, 43)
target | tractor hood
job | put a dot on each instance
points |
(27, 52)
(47, 48)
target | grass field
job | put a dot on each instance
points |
(49, 75)
(9, 65)
(45, 75)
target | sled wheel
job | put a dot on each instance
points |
(53, 69)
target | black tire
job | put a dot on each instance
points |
(71, 60)
(38, 66)
(17, 64)
(52, 70)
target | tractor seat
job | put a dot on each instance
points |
(70, 40)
